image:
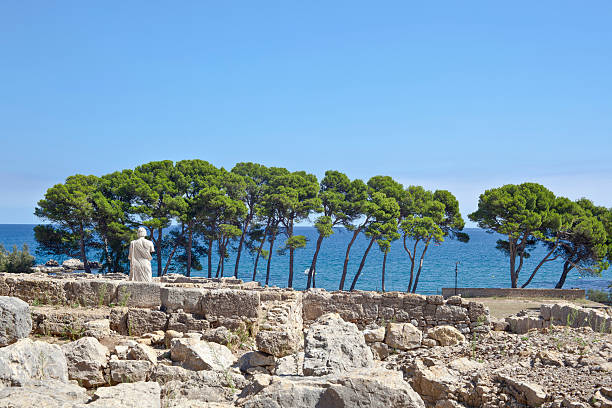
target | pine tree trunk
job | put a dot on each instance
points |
(82, 247)
(383, 270)
(263, 240)
(239, 251)
(189, 246)
(363, 259)
(210, 248)
(418, 275)
(313, 265)
(346, 258)
(567, 267)
(272, 239)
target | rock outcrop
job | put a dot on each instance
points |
(28, 360)
(15, 320)
(86, 359)
(333, 346)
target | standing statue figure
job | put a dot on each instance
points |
(140, 258)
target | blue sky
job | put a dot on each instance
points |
(456, 95)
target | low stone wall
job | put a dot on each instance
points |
(200, 303)
(562, 314)
(568, 294)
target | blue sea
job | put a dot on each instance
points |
(480, 264)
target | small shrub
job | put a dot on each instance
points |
(599, 296)
(16, 261)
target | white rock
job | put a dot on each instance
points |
(403, 336)
(86, 359)
(201, 355)
(26, 360)
(15, 320)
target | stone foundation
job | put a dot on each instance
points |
(195, 304)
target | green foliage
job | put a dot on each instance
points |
(16, 261)
(599, 296)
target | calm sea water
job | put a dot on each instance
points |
(480, 264)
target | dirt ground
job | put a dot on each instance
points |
(504, 307)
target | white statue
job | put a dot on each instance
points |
(140, 258)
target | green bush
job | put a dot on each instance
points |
(16, 261)
(599, 296)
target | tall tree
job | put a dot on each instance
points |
(383, 212)
(357, 199)
(69, 207)
(388, 235)
(518, 212)
(587, 244)
(255, 177)
(294, 197)
(193, 178)
(156, 200)
(337, 195)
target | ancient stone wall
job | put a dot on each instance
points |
(185, 304)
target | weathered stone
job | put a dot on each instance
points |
(86, 359)
(185, 322)
(90, 292)
(374, 335)
(221, 335)
(403, 336)
(15, 320)
(446, 335)
(201, 355)
(292, 364)
(278, 343)
(127, 395)
(43, 394)
(128, 371)
(171, 335)
(141, 351)
(380, 350)
(525, 392)
(141, 321)
(253, 359)
(139, 294)
(26, 360)
(99, 329)
(175, 298)
(374, 388)
(74, 264)
(333, 346)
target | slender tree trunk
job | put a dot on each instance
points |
(261, 244)
(210, 248)
(159, 251)
(291, 253)
(544, 260)
(512, 253)
(346, 258)
(189, 247)
(363, 259)
(383, 270)
(272, 239)
(418, 275)
(220, 258)
(223, 256)
(245, 226)
(567, 267)
(412, 256)
(83, 252)
(313, 264)
(107, 255)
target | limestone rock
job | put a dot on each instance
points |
(99, 329)
(43, 394)
(446, 335)
(380, 350)
(86, 360)
(201, 355)
(434, 383)
(170, 335)
(141, 321)
(292, 364)
(254, 360)
(333, 346)
(73, 264)
(26, 360)
(374, 335)
(403, 336)
(526, 393)
(128, 395)
(372, 388)
(140, 351)
(277, 343)
(15, 320)
(128, 371)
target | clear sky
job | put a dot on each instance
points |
(460, 95)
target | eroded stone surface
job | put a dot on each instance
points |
(15, 320)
